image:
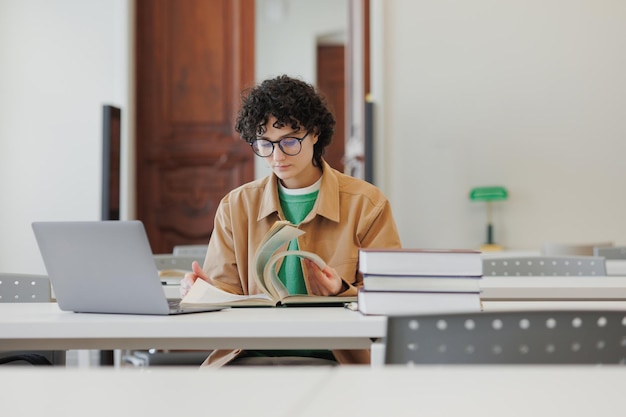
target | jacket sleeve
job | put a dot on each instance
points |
(380, 231)
(220, 263)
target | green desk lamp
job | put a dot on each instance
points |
(488, 195)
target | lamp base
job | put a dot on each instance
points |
(490, 247)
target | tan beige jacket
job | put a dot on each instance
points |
(349, 214)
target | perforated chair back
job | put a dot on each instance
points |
(530, 337)
(24, 288)
(545, 266)
(616, 252)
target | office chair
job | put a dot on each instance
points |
(567, 249)
(545, 266)
(25, 288)
(529, 337)
(197, 251)
(168, 263)
(612, 253)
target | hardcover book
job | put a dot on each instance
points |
(426, 262)
(390, 303)
(421, 283)
(203, 294)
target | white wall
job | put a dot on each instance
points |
(286, 38)
(60, 61)
(528, 94)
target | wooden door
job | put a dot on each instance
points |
(193, 58)
(331, 83)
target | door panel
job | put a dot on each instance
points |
(193, 58)
(331, 83)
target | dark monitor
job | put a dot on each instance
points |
(111, 133)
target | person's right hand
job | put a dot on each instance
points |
(191, 277)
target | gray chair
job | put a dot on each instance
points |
(26, 288)
(545, 266)
(569, 249)
(612, 253)
(529, 337)
(197, 251)
(169, 261)
(154, 357)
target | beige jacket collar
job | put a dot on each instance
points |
(327, 204)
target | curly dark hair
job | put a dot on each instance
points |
(293, 103)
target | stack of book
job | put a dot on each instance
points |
(418, 281)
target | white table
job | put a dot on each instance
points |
(510, 391)
(615, 267)
(553, 288)
(45, 326)
(526, 305)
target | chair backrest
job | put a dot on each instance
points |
(545, 266)
(530, 337)
(177, 262)
(616, 252)
(191, 250)
(566, 249)
(24, 288)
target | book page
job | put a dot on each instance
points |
(280, 234)
(203, 293)
(266, 259)
(270, 275)
(280, 292)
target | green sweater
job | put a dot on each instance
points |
(295, 207)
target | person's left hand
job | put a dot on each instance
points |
(191, 277)
(324, 281)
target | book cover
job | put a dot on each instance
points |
(405, 303)
(426, 262)
(203, 294)
(421, 283)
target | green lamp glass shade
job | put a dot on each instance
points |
(488, 194)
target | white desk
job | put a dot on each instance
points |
(512, 391)
(525, 305)
(473, 391)
(45, 326)
(553, 288)
(615, 267)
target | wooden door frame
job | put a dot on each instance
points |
(358, 162)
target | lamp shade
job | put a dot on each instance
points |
(488, 194)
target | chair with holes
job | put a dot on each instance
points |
(614, 257)
(545, 266)
(25, 288)
(610, 253)
(513, 337)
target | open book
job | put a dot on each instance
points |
(203, 294)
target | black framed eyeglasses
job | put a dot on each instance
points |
(290, 146)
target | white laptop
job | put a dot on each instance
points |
(103, 267)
